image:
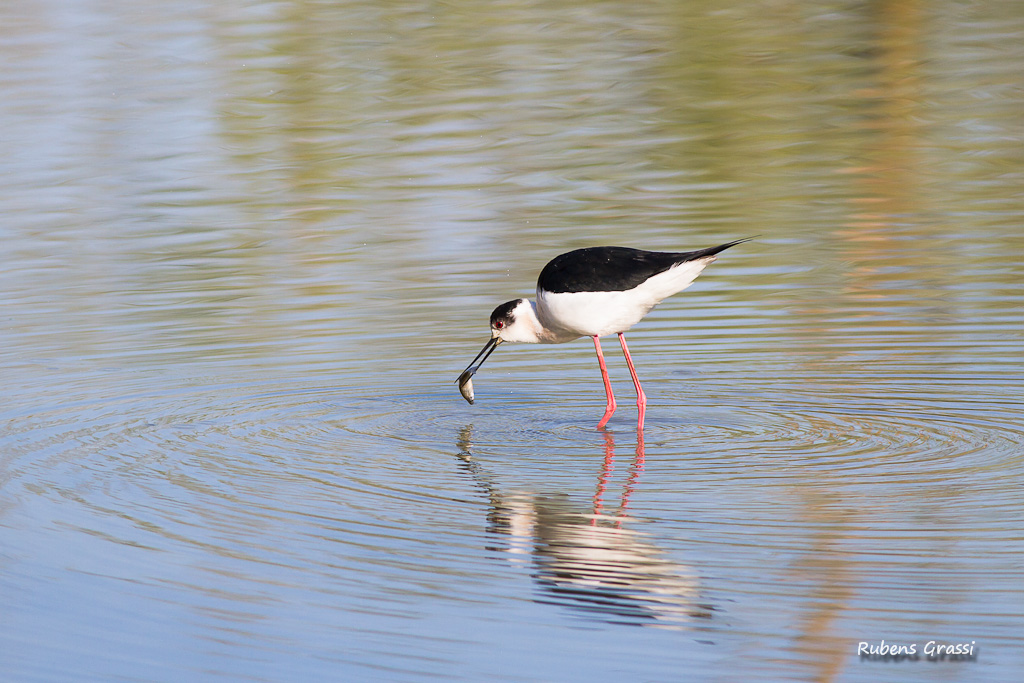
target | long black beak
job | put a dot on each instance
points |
(489, 347)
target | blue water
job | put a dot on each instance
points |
(247, 249)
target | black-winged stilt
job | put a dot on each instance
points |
(594, 292)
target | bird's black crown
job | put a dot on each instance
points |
(503, 314)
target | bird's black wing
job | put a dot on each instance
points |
(613, 269)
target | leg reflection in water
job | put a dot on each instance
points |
(585, 559)
(606, 472)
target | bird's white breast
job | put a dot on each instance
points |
(575, 314)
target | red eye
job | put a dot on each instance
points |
(498, 324)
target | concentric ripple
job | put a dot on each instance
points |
(226, 496)
(875, 430)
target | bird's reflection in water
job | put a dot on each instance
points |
(589, 560)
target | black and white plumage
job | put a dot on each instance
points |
(594, 292)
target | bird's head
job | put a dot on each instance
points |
(514, 321)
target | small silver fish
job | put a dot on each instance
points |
(465, 379)
(466, 384)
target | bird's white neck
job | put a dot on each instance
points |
(529, 329)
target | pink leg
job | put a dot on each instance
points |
(607, 386)
(641, 397)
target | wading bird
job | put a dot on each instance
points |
(594, 292)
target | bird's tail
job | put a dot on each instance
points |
(711, 251)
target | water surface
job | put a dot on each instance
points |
(249, 247)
